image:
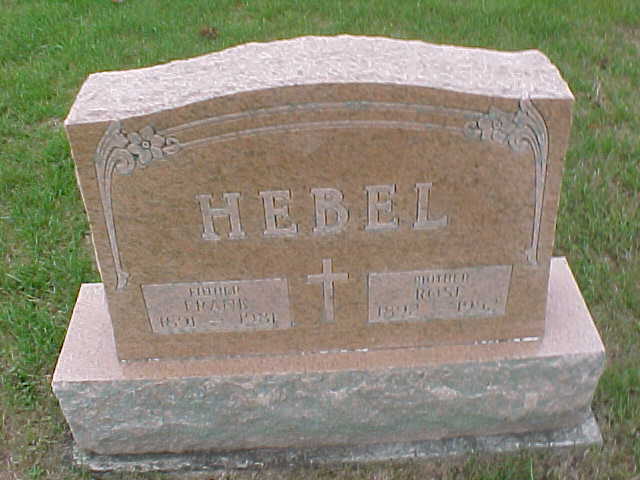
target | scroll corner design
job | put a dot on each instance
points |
(520, 130)
(122, 152)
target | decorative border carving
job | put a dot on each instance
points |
(123, 152)
(519, 130)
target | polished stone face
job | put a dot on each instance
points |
(323, 194)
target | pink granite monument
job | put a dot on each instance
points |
(321, 243)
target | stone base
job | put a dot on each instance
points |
(582, 435)
(333, 406)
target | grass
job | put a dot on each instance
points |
(47, 48)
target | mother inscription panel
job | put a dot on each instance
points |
(323, 194)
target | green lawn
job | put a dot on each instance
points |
(48, 47)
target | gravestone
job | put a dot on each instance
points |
(323, 194)
(323, 210)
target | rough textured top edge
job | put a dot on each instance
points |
(116, 95)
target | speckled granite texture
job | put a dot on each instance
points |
(322, 400)
(316, 60)
(197, 463)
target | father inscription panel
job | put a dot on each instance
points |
(323, 194)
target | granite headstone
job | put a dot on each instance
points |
(323, 194)
(325, 250)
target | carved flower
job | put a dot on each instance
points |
(485, 124)
(147, 145)
(498, 126)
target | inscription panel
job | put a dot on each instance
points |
(218, 306)
(438, 294)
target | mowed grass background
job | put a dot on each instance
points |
(48, 47)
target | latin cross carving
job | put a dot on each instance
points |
(327, 278)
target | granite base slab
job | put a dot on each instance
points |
(580, 436)
(336, 406)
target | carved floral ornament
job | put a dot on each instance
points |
(520, 130)
(139, 149)
(123, 152)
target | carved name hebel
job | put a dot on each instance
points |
(331, 212)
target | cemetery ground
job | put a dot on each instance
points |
(48, 48)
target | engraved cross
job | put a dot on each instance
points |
(327, 277)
